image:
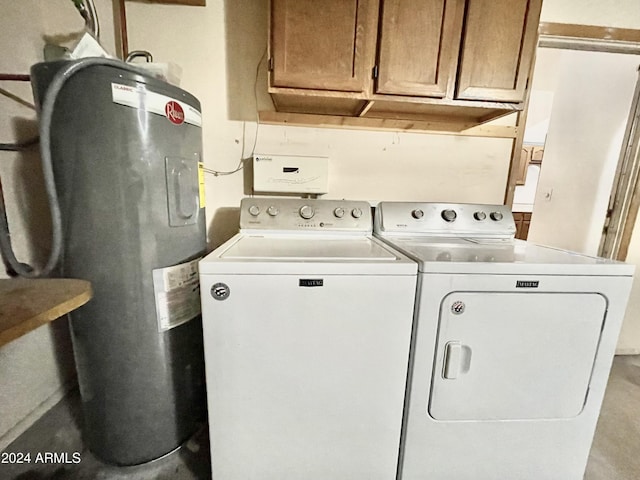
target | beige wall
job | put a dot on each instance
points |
(37, 369)
(219, 53)
(610, 13)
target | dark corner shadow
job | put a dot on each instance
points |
(59, 474)
(223, 226)
(30, 194)
(196, 453)
(246, 42)
(247, 167)
(66, 365)
(33, 209)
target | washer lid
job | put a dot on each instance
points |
(469, 255)
(316, 248)
(307, 253)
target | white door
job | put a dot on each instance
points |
(583, 144)
(515, 356)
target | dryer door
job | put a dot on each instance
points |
(515, 356)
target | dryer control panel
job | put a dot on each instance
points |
(302, 214)
(445, 219)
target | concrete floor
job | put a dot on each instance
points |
(59, 431)
(615, 454)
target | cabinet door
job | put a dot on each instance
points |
(518, 218)
(418, 50)
(526, 223)
(497, 49)
(326, 47)
(525, 159)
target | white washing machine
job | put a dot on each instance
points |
(511, 349)
(307, 326)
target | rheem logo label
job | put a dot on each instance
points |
(174, 112)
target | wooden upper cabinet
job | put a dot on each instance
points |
(418, 46)
(326, 45)
(497, 49)
(449, 61)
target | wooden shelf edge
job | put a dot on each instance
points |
(26, 304)
(385, 124)
(589, 38)
(303, 92)
(589, 32)
(507, 106)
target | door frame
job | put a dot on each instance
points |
(590, 38)
(624, 202)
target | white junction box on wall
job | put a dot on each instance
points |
(290, 174)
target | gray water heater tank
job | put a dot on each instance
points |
(126, 149)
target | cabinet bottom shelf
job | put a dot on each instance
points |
(349, 109)
(386, 124)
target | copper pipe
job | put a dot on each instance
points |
(124, 42)
(93, 23)
(14, 77)
(19, 147)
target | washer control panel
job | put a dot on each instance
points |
(287, 214)
(444, 219)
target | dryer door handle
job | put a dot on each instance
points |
(452, 359)
(457, 360)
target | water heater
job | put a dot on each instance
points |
(126, 152)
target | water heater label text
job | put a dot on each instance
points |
(175, 111)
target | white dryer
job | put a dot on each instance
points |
(307, 326)
(511, 349)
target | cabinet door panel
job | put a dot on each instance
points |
(327, 47)
(418, 46)
(525, 159)
(497, 49)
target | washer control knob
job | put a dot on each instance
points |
(449, 215)
(356, 213)
(417, 214)
(479, 216)
(273, 210)
(496, 216)
(254, 210)
(307, 212)
(338, 212)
